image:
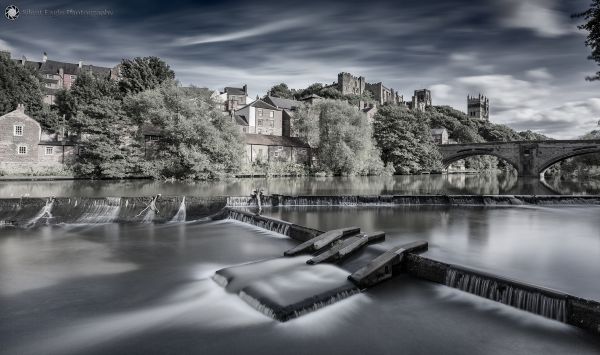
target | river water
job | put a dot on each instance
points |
(489, 184)
(149, 288)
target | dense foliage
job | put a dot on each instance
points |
(405, 140)
(93, 112)
(18, 85)
(342, 137)
(592, 26)
(145, 73)
(198, 141)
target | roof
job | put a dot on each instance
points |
(234, 91)
(241, 120)
(438, 130)
(311, 96)
(259, 104)
(262, 139)
(280, 102)
(53, 67)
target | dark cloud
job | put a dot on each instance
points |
(525, 54)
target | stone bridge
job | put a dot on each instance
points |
(530, 158)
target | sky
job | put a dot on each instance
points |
(527, 56)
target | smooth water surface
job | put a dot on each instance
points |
(452, 184)
(556, 247)
(147, 289)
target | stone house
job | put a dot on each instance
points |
(289, 108)
(24, 148)
(260, 117)
(439, 135)
(266, 148)
(234, 98)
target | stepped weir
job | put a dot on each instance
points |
(330, 255)
(545, 302)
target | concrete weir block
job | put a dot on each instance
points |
(381, 268)
(343, 249)
(322, 240)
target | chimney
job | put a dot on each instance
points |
(245, 88)
(21, 108)
(80, 64)
(44, 57)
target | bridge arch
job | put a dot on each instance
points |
(447, 160)
(574, 153)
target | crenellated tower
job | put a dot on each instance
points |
(478, 107)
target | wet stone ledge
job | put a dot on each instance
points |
(390, 200)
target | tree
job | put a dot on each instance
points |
(18, 85)
(282, 90)
(342, 137)
(198, 141)
(145, 73)
(404, 139)
(592, 25)
(94, 112)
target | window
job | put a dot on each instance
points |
(260, 122)
(271, 114)
(73, 77)
(18, 130)
(260, 112)
(22, 150)
(271, 123)
(49, 150)
(49, 76)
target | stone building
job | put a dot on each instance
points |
(235, 98)
(478, 107)
(421, 100)
(260, 117)
(289, 108)
(348, 84)
(57, 75)
(439, 135)
(266, 148)
(25, 148)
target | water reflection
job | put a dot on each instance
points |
(359, 185)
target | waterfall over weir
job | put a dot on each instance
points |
(29, 212)
(101, 211)
(180, 215)
(549, 305)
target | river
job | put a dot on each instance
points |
(489, 184)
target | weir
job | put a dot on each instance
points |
(391, 200)
(583, 313)
(545, 302)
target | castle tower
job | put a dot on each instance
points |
(478, 107)
(421, 100)
(349, 84)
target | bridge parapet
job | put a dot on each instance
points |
(530, 158)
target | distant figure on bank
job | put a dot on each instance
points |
(258, 194)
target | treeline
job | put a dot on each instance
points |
(198, 141)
